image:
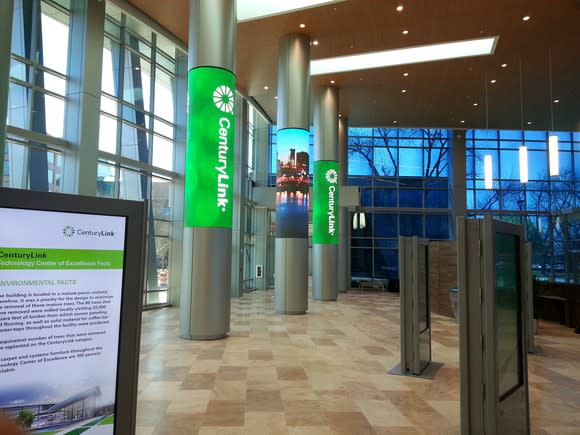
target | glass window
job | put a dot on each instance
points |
(411, 162)
(386, 263)
(410, 198)
(436, 198)
(386, 225)
(437, 226)
(385, 198)
(361, 263)
(411, 225)
(55, 36)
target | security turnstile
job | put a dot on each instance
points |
(415, 306)
(492, 328)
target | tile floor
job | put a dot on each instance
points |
(325, 373)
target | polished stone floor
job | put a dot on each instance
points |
(326, 373)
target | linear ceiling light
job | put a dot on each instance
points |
(488, 172)
(554, 162)
(405, 56)
(255, 9)
(523, 164)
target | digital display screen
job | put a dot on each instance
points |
(61, 282)
(292, 189)
(508, 312)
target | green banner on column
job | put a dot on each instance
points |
(325, 203)
(209, 169)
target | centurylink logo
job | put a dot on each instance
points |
(223, 98)
(68, 231)
(331, 176)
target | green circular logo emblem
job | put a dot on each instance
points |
(68, 231)
(223, 98)
(331, 176)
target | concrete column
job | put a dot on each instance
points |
(207, 233)
(6, 11)
(240, 175)
(291, 286)
(325, 209)
(343, 221)
(457, 174)
(84, 96)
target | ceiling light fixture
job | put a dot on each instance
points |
(254, 9)
(332, 81)
(399, 8)
(315, 42)
(266, 88)
(504, 65)
(529, 122)
(405, 32)
(302, 25)
(476, 104)
(404, 56)
(405, 74)
(492, 81)
(523, 150)
(462, 121)
(556, 101)
(526, 18)
(488, 171)
(403, 90)
(395, 121)
(553, 154)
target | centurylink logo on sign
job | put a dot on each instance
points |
(325, 204)
(209, 163)
(223, 98)
(69, 231)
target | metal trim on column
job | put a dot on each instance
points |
(291, 285)
(208, 215)
(325, 210)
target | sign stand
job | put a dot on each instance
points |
(492, 328)
(415, 310)
(72, 286)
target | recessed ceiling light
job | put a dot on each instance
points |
(275, 97)
(394, 122)
(529, 122)
(339, 115)
(315, 42)
(526, 18)
(253, 9)
(504, 65)
(475, 104)
(266, 88)
(405, 32)
(462, 121)
(400, 8)
(403, 90)
(492, 81)
(332, 81)
(405, 74)
(556, 101)
(302, 25)
(404, 56)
